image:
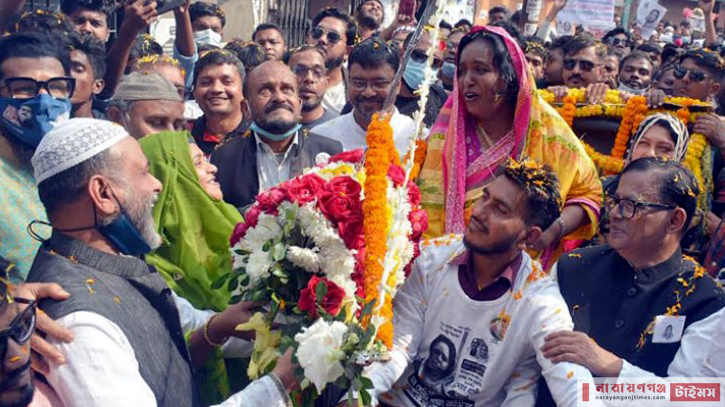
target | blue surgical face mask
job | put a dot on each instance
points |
(29, 120)
(125, 235)
(414, 73)
(449, 70)
(275, 137)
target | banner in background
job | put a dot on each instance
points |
(596, 16)
(649, 14)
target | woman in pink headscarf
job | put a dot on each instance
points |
(493, 114)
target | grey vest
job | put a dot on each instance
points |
(135, 297)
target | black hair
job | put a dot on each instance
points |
(143, 46)
(663, 70)
(250, 53)
(267, 26)
(501, 59)
(639, 55)
(512, 30)
(685, 24)
(34, 45)
(671, 53)
(204, 9)
(583, 41)
(677, 185)
(541, 190)
(445, 25)
(499, 9)
(373, 53)
(39, 21)
(650, 47)
(516, 17)
(351, 26)
(70, 184)
(616, 31)
(560, 42)
(463, 22)
(359, 6)
(705, 59)
(95, 51)
(106, 7)
(614, 52)
(218, 57)
(204, 48)
(302, 48)
(536, 45)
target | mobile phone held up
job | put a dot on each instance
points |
(162, 6)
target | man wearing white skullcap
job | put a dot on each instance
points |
(128, 346)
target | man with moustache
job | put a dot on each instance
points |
(583, 68)
(369, 16)
(635, 73)
(472, 317)
(276, 148)
(373, 64)
(334, 32)
(308, 64)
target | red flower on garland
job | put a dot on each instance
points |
(419, 221)
(340, 201)
(331, 303)
(352, 156)
(250, 221)
(413, 194)
(268, 201)
(304, 189)
(396, 174)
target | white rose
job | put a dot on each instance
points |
(319, 352)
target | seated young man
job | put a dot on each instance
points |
(471, 318)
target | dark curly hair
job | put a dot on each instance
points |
(541, 190)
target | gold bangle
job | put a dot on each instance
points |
(206, 333)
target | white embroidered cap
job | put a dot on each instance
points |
(73, 142)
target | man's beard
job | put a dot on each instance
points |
(368, 115)
(500, 247)
(25, 393)
(332, 64)
(311, 105)
(369, 22)
(276, 126)
(140, 211)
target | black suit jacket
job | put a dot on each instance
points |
(237, 163)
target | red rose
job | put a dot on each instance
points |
(352, 233)
(352, 156)
(303, 190)
(419, 221)
(396, 174)
(413, 194)
(416, 253)
(269, 200)
(239, 231)
(332, 303)
(340, 201)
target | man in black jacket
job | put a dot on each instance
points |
(275, 149)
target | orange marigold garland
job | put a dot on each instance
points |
(377, 159)
(421, 148)
(633, 108)
(569, 109)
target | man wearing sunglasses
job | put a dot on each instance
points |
(407, 100)
(334, 33)
(623, 295)
(36, 88)
(583, 68)
(619, 39)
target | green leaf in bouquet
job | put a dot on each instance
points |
(267, 246)
(321, 291)
(367, 309)
(285, 343)
(357, 384)
(365, 397)
(279, 251)
(235, 299)
(244, 279)
(367, 383)
(233, 283)
(259, 295)
(219, 282)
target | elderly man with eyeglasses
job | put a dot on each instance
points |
(623, 295)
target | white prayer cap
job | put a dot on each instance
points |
(73, 142)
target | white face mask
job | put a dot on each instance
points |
(208, 37)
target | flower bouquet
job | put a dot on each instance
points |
(325, 253)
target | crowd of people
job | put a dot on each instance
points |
(124, 172)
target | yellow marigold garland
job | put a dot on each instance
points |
(377, 161)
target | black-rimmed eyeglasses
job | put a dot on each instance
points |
(628, 207)
(26, 88)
